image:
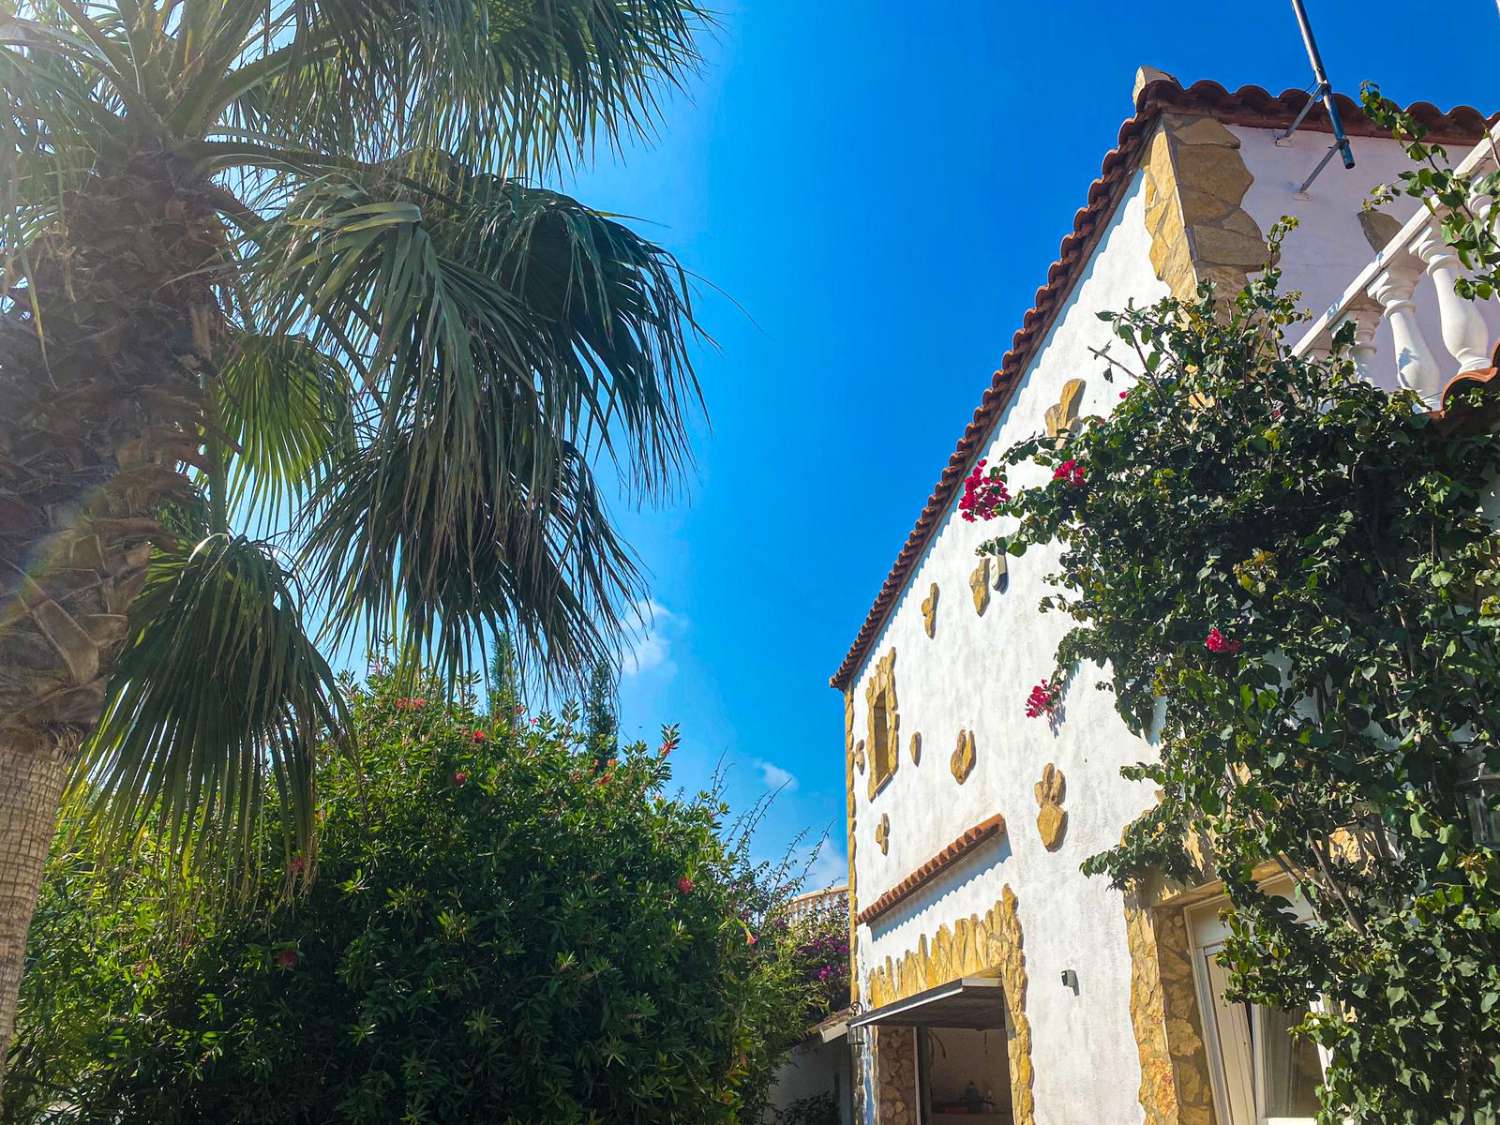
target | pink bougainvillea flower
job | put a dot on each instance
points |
(1124, 394)
(1042, 700)
(984, 495)
(1218, 642)
(685, 885)
(287, 958)
(1070, 471)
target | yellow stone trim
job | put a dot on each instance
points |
(883, 719)
(1196, 181)
(973, 946)
(852, 818)
(1175, 1084)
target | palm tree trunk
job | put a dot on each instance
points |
(31, 784)
(101, 347)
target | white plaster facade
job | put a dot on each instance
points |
(975, 672)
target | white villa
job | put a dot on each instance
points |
(993, 982)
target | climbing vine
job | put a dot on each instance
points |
(1467, 225)
(1290, 576)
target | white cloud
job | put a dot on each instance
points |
(827, 866)
(774, 776)
(650, 641)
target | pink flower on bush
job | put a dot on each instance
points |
(750, 939)
(1070, 471)
(460, 777)
(685, 885)
(1124, 394)
(984, 495)
(477, 735)
(287, 958)
(1218, 642)
(1042, 700)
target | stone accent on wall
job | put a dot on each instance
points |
(979, 583)
(1175, 1084)
(962, 762)
(929, 610)
(883, 834)
(859, 755)
(883, 719)
(916, 747)
(1196, 181)
(974, 946)
(1052, 820)
(896, 1075)
(1062, 416)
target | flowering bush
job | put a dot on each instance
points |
(491, 935)
(985, 494)
(818, 945)
(1043, 700)
(1330, 537)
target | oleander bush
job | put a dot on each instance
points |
(508, 921)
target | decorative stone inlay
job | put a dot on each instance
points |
(971, 839)
(974, 946)
(1052, 821)
(1196, 180)
(883, 834)
(1175, 1084)
(1062, 416)
(962, 762)
(884, 722)
(916, 747)
(979, 582)
(929, 611)
(859, 755)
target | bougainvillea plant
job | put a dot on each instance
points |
(1290, 577)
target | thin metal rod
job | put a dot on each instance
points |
(1313, 96)
(1316, 57)
(1327, 156)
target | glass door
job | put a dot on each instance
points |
(1262, 1074)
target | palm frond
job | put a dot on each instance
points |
(446, 565)
(514, 84)
(219, 698)
(478, 302)
(286, 411)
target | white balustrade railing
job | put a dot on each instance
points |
(1389, 289)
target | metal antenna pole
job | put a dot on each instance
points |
(1321, 91)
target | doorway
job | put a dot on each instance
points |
(963, 1076)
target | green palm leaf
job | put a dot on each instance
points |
(219, 699)
(286, 413)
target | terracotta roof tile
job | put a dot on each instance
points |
(1248, 106)
(946, 858)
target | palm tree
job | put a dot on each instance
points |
(289, 328)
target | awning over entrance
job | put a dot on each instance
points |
(972, 1002)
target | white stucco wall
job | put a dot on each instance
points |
(975, 674)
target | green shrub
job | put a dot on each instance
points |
(503, 926)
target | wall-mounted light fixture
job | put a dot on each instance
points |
(1070, 980)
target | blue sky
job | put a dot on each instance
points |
(871, 192)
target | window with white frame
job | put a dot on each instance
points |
(1262, 1075)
